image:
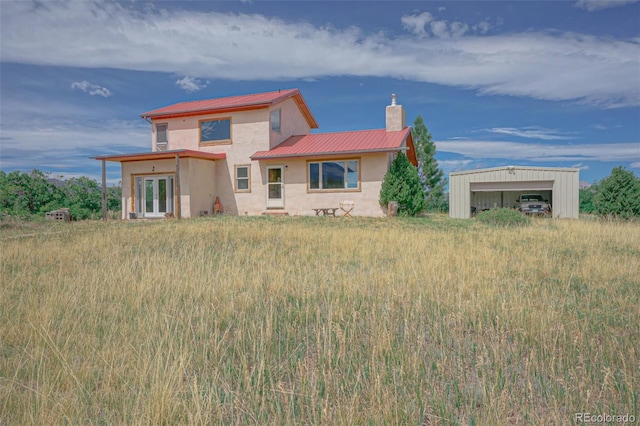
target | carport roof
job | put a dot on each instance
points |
(493, 169)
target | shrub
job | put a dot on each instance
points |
(402, 184)
(503, 217)
(618, 195)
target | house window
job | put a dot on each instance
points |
(218, 130)
(243, 178)
(162, 139)
(275, 120)
(334, 175)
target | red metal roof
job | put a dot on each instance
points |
(361, 141)
(163, 155)
(233, 103)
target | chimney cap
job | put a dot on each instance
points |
(393, 99)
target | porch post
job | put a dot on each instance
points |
(104, 191)
(178, 204)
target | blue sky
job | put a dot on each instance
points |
(553, 83)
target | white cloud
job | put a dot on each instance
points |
(580, 166)
(454, 165)
(416, 23)
(482, 27)
(599, 71)
(190, 84)
(606, 152)
(532, 133)
(458, 29)
(595, 5)
(635, 165)
(27, 145)
(439, 29)
(92, 89)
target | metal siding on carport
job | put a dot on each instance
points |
(562, 182)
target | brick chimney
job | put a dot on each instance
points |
(396, 116)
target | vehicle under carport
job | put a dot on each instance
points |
(483, 189)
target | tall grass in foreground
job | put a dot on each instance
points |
(319, 321)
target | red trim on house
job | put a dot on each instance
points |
(163, 155)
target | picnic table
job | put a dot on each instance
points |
(326, 211)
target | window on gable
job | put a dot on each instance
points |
(243, 178)
(218, 130)
(275, 120)
(162, 138)
(334, 175)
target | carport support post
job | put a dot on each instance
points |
(104, 190)
(178, 207)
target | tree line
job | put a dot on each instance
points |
(29, 195)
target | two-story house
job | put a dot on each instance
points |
(257, 155)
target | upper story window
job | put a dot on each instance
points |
(215, 131)
(275, 120)
(162, 138)
(334, 175)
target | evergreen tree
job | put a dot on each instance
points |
(402, 184)
(585, 195)
(431, 177)
(618, 194)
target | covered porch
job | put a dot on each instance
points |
(179, 183)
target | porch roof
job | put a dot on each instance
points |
(354, 142)
(162, 155)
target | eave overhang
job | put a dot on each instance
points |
(162, 155)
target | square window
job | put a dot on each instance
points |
(215, 130)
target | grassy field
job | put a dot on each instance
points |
(319, 321)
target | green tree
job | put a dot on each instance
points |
(618, 194)
(585, 195)
(24, 194)
(83, 196)
(114, 198)
(431, 177)
(27, 194)
(402, 184)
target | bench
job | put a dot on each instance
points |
(327, 211)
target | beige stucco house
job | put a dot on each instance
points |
(257, 155)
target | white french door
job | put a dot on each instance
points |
(275, 187)
(154, 195)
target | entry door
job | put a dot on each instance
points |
(275, 187)
(157, 196)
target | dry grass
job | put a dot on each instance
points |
(319, 321)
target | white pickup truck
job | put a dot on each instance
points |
(533, 204)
